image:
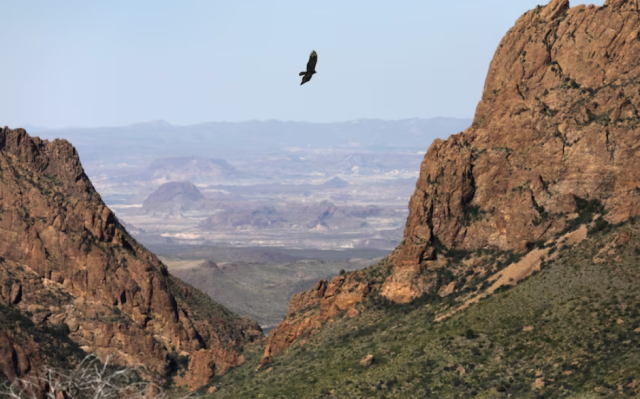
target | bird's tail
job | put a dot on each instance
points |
(302, 73)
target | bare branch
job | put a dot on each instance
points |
(91, 379)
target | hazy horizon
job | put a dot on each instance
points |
(89, 64)
(26, 126)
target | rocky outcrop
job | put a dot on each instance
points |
(310, 309)
(66, 259)
(367, 360)
(558, 119)
(16, 360)
(26, 348)
(557, 129)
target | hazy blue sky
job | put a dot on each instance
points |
(104, 63)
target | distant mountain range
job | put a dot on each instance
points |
(170, 169)
(159, 139)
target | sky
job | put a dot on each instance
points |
(78, 63)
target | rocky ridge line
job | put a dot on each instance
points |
(66, 260)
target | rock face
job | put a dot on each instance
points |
(557, 125)
(310, 309)
(558, 119)
(25, 348)
(66, 259)
(15, 359)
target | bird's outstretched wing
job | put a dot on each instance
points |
(306, 78)
(313, 59)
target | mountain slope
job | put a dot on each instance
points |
(66, 261)
(553, 146)
(571, 330)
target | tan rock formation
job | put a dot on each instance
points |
(310, 309)
(367, 361)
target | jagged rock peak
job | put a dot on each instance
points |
(62, 247)
(58, 158)
(558, 119)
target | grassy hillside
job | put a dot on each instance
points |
(570, 330)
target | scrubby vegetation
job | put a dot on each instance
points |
(570, 330)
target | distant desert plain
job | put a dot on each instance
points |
(254, 212)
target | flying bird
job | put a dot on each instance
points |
(311, 68)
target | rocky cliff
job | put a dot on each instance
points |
(558, 119)
(557, 128)
(310, 309)
(66, 261)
